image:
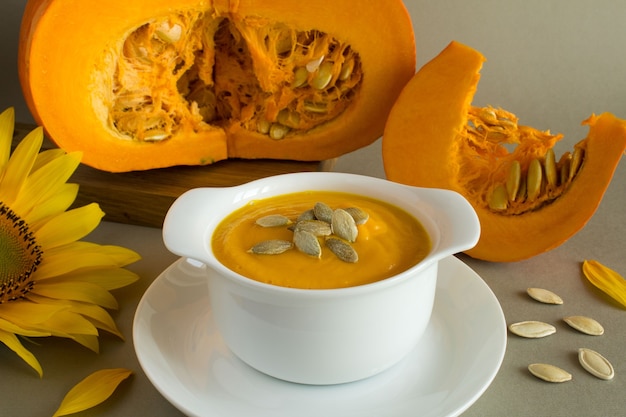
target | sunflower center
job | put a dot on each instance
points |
(19, 256)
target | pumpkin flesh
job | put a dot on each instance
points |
(468, 149)
(139, 85)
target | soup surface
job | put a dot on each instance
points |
(389, 242)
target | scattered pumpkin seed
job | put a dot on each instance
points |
(323, 212)
(342, 249)
(273, 220)
(596, 364)
(544, 296)
(549, 373)
(532, 329)
(306, 215)
(585, 325)
(315, 227)
(360, 217)
(607, 280)
(322, 78)
(278, 131)
(343, 225)
(271, 247)
(307, 243)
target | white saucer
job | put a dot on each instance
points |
(183, 355)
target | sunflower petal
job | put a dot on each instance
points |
(44, 157)
(13, 343)
(68, 324)
(97, 315)
(7, 125)
(19, 165)
(92, 390)
(9, 327)
(87, 340)
(56, 204)
(77, 255)
(108, 278)
(45, 182)
(78, 291)
(69, 226)
(607, 280)
(27, 314)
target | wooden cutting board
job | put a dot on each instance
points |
(143, 197)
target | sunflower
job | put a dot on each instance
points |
(51, 282)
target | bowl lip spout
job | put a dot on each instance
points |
(188, 229)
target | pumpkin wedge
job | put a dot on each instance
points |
(145, 84)
(527, 200)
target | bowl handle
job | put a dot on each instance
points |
(452, 209)
(186, 224)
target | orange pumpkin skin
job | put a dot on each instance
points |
(423, 145)
(69, 63)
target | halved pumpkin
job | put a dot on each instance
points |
(144, 84)
(528, 202)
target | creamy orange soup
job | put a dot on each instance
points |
(390, 242)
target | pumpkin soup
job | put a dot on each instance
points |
(319, 240)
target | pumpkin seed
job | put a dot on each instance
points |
(314, 64)
(323, 76)
(544, 296)
(577, 160)
(342, 249)
(263, 126)
(343, 225)
(564, 167)
(169, 34)
(288, 118)
(513, 181)
(306, 215)
(278, 131)
(360, 217)
(315, 227)
(271, 247)
(550, 167)
(307, 243)
(315, 107)
(549, 373)
(532, 329)
(346, 70)
(499, 199)
(534, 179)
(273, 220)
(300, 76)
(585, 325)
(596, 364)
(323, 212)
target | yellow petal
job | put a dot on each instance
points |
(92, 390)
(97, 315)
(56, 204)
(77, 255)
(607, 280)
(13, 343)
(87, 340)
(69, 226)
(108, 278)
(67, 324)
(79, 291)
(44, 183)
(7, 125)
(46, 156)
(19, 165)
(9, 327)
(27, 314)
